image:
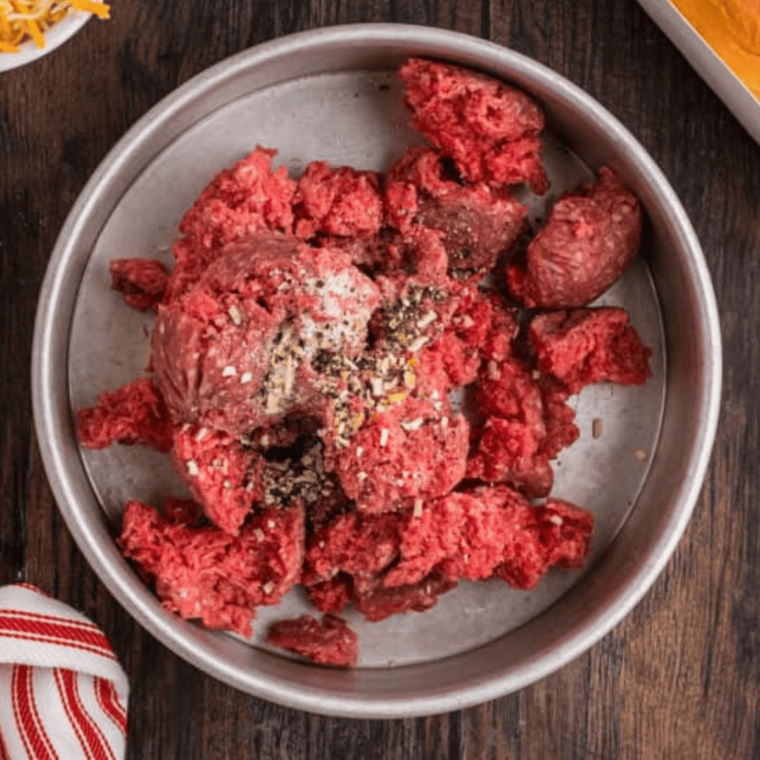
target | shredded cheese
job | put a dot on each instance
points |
(732, 29)
(22, 20)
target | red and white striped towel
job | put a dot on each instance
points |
(63, 694)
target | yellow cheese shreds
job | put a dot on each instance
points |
(91, 6)
(35, 33)
(22, 20)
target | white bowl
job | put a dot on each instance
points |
(58, 33)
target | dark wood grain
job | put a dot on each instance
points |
(679, 677)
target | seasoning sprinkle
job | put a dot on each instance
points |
(427, 320)
(418, 343)
(235, 315)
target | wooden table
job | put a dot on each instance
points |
(679, 677)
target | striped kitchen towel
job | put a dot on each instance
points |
(63, 694)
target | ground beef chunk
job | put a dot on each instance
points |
(405, 453)
(474, 330)
(559, 417)
(205, 573)
(332, 596)
(360, 546)
(379, 603)
(236, 351)
(477, 224)
(331, 642)
(339, 201)
(133, 414)
(142, 282)
(510, 451)
(460, 534)
(239, 202)
(508, 389)
(224, 476)
(479, 532)
(511, 443)
(490, 530)
(488, 128)
(589, 239)
(244, 201)
(555, 535)
(587, 346)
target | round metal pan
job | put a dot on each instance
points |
(331, 94)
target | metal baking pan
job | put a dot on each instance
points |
(332, 94)
(708, 64)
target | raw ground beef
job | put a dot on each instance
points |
(135, 413)
(510, 451)
(489, 129)
(379, 603)
(406, 453)
(307, 350)
(333, 595)
(141, 281)
(474, 535)
(559, 417)
(587, 346)
(560, 533)
(206, 573)
(337, 201)
(478, 224)
(224, 476)
(330, 642)
(589, 239)
(247, 199)
(514, 442)
(360, 546)
(236, 351)
(405, 560)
